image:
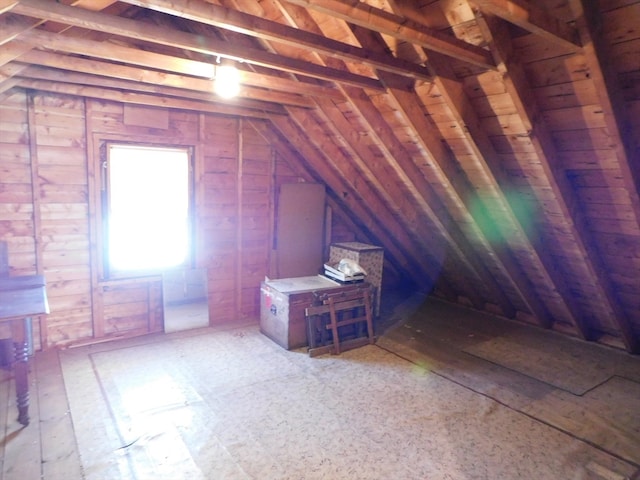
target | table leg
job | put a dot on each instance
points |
(21, 369)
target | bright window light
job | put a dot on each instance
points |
(148, 217)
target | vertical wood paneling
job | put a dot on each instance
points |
(219, 214)
(50, 201)
(239, 219)
(61, 222)
(16, 207)
(94, 184)
(256, 215)
(16, 221)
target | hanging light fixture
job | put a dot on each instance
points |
(227, 80)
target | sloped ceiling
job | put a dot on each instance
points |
(490, 146)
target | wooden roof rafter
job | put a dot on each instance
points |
(34, 72)
(137, 30)
(359, 13)
(12, 50)
(161, 62)
(15, 25)
(288, 153)
(458, 186)
(530, 17)
(415, 218)
(455, 146)
(336, 121)
(625, 144)
(234, 20)
(523, 286)
(466, 121)
(11, 26)
(437, 268)
(7, 5)
(541, 139)
(408, 175)
(434, 147)
(141, 98)
(7, 87)
(486, 160)
(372, 212)
(100, 70)
(514, 273)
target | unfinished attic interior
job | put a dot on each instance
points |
(486, 153)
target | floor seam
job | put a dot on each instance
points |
(539, 420)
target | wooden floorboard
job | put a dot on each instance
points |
(22, 455)
(587, 390)
(60, 460)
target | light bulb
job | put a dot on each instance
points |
(227, 81)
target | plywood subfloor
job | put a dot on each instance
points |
(228, 403)
(588, 391)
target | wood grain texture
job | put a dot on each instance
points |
(500, 172)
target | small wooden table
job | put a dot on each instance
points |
(21, 298)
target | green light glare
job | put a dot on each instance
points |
(491, 217)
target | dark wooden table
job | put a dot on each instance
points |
(21, 298)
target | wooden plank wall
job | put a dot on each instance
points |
(50, 210)
(60, 210)
(16, 205)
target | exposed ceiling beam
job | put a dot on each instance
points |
(157, 61)
(152, 77)
(334, 120)
(459, 189)
(10, 70)
(468, 123)
(12, 50)
(207, 96)
(359, 13)
(13, 25)
(7, 84)
(535, 19)
(228, 19)
(116, 25)
(442, 167)
(140, 98)
(415, 188)
(6, 5)
(496, 208)
(405, 104)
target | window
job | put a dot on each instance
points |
(147, 201)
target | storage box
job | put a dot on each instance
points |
(283, 303)
(369, 257)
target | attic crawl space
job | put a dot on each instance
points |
(490, 147)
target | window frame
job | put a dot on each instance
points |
(108, 272)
